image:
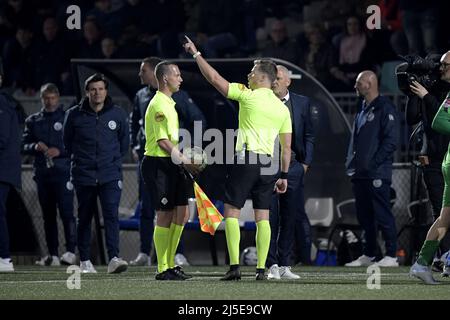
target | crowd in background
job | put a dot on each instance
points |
(329, 39)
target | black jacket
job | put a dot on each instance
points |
(10, 161)
(423, 110)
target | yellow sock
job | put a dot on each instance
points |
(175, 236)
(262, 242)
(233, 235)
(161, 239)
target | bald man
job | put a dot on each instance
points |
(369, 163)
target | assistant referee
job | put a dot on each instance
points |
(168, 186)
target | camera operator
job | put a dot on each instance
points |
(422, 105)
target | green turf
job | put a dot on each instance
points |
(138, 283)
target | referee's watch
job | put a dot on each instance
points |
(195, 55)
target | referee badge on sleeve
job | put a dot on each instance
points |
(159, 117)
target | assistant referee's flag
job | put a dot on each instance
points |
(208, 215)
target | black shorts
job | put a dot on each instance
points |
(248, 181)
(168, 185)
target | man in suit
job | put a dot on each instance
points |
(288, 215)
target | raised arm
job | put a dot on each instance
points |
(210, 74)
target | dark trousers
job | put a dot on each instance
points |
(287, 215)
(147, 216)
(373, 210)
(109, 195)
(434, 181)
(57, 195)
(4, 235)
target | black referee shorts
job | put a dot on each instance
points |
(166, 182)
(247, 182)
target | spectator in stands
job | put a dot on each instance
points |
(96, 137)
(109, 48)
(280, 46)
(369, 164)
(216, 29)
(420, 23)
(354, 51)
(52, 55)
(90, 46)
(103, 13)
(392, 33)
(288, 209)
(17, 13)
(188, 112)
(19, 61)
(42, 138)
(10, 171)
(319, 58)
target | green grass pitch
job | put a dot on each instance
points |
(316, 283)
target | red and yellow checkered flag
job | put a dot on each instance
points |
(208, 215)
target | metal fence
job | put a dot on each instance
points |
(196, 248)
(404, 180)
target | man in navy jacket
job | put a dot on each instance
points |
(96, 136)
(369, 163)
(288, 216)
(10, 172)
(42, 138)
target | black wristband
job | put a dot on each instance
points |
(283, 175)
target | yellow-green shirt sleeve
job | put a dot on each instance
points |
(441, 121)
(238, 91)
(287, 124)
(160, 126)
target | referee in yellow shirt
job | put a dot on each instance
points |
(262, 117)
(168, 186)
